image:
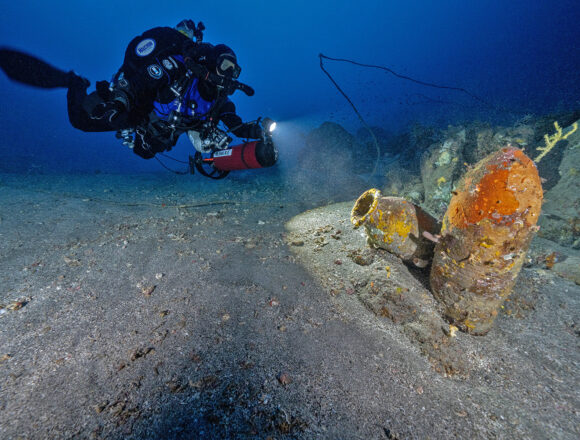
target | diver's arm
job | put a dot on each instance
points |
(228, 116)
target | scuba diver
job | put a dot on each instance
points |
(170, 83)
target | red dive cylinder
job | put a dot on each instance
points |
(255, 154)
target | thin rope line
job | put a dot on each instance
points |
(408, 78)
(363, 122)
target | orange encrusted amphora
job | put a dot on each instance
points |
(486, 232)
(395, 224)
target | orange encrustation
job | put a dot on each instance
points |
(495, 196)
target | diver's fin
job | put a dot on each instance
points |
(29, 70)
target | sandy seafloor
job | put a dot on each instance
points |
(172, 307)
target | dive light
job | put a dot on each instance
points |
(269, 125)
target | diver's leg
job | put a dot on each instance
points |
(91, 112)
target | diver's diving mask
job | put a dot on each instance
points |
(227, 66)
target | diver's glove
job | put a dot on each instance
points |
(194, 56)
(103, 90)
(248, 130)
(198, 70)
(255, 130)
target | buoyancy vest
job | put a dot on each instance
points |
(190, 104)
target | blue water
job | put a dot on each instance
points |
(519, 56)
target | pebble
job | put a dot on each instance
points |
(284, 378)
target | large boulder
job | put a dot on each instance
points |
(483, 139)
(383, 137)
(441, 166)
(332, 151)
(402, 182)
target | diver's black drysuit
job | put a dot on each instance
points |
(154, 66)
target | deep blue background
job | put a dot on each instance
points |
(515, 54)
